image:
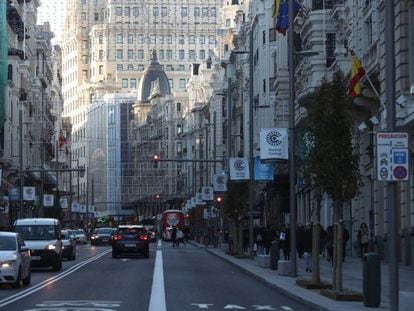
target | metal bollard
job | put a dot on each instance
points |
(274, 255)
(371, 280)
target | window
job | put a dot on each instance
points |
(191, 55)
(264, 36)
(196, 12)
(211, 39)
(127, 11)
(181, 39)
(191, 39)
(131, 38)
(133, 83)
(141, 38)
(130, 67)
(119, 67)
(124, 83)
(100, 38)
(118, 11)
(135, 11)
(119, 54)
(178, 107)
(202, 39)
(155, 11)
(140, 67)
(163, 11)
(170, 82)
(161, 39)
(202, 54)
(140, 54)
(204, 12)
(330, 47)
(181, 54)
(83, 2)
(181, 67)
(213, 12)
(169, 39)
(169, 54)
(264, 86)
(228, 22)
(161, 54)
(130, 54)
(100, 69)
(152, 38)
(119, 38)
(184, 11)
(182, 84)
(169, 68)
(100, 54)
(83, 16)
(96, 16)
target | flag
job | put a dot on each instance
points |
(282, 20)
(357, 73)
(275, 8)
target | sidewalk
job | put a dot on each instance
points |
(352, 279)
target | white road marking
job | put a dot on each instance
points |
(202, 305)
(286, 308)
(236, 307)
(157, 300)
(47, 282)
(259, 307)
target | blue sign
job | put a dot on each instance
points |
(14, 193)
(263, 171)
(400, 157)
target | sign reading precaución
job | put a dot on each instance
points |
(392, 156)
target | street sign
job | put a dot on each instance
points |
(392, 156)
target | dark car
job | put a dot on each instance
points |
(130, 239)
(69, 244)
(102, 236)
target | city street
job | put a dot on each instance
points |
(193, 280)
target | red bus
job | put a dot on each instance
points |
(171, 218)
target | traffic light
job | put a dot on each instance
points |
(155, 160)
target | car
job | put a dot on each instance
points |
(69, 245)
(152, 235)
(43, 237)
(80, 236)
(102, 236)
(15, 260)
(130, 239)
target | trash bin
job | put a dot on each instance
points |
(371, 280)
(274, 255)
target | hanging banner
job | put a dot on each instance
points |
(63, 202)
(193, 202)
(263, 171)
(75, 207)
(239, 169)
(199, 199)
(29, 193)
(274, 144)
(82, 208)
(48, 200)
(14, 193)
(220, 182)
(207, 193)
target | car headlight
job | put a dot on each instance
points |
(7, 263)
(51, 246)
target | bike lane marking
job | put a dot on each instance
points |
(157, 300)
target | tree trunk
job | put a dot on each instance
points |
(338, 253)
(335, 244)
(240, 249)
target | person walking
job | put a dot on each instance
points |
(307, 247)
(344, 241)
(363, 239)
(329, 243)
(285, 239)
(174, 236)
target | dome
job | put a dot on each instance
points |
(153, 77)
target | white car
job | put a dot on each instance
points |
(15, 260)
(80, 236)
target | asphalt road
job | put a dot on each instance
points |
(173, 279)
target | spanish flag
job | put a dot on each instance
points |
(275, 8)
(357, 73)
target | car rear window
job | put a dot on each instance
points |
(104, 231)
(131, 231)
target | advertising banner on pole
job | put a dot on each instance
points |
(274, 143)
(29, 193)
(63, 202)
(48, 200)
(199, 198)
(14, 193)
(220, 182)
(392, 156)
(239, 169)
(263, 171)
(193, 202)
(208, 193)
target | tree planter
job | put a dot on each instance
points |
(344, 295)
(308, 284)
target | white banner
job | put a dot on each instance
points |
(239, 169)
(29, 193)
(82, 208)
(6, 204)
(63, 202)
(199, 198)
(274, 143)
(75, 207)
(207, 193)
(193, 202)
(48, 200)
(220, 182)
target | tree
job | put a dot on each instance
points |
(333, 158)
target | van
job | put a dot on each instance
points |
(43, 237)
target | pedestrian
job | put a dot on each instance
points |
(344, 241)
(329, 243)
(363, 239)
(300, 235)
(174, 236)
(285, 239)
(307, 247)
(180, 237)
